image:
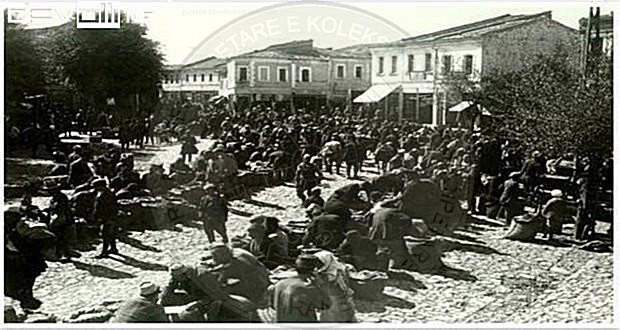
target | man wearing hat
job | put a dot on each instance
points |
(61, 223)
(249, 277)
(532, 169)
(297, 299)
(510, 192)
(214, 213)
(79, 172)
(201, 285)
(105, 213)
(142, 309)
(307, 177)
(555, 211)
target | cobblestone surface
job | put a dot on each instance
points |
(491, 280)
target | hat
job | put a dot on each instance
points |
(401, 151)
(209, 186)
(556, 193)
(148, 288)
(307, 262)
(177, 268)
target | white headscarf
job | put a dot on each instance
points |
(333, 270)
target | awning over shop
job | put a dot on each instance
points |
(461, 106)
(375, 93)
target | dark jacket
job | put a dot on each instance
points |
(510, 192)
(140, 310)
(296, 299)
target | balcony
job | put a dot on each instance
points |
(420, 75)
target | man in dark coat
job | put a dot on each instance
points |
(510, 191)
(200, 285)
(214, 213)
(79, 172)
(242, 277)
(532, 169)
(105, 213)
(307, 177)
(296, 299)
(61, 221)
(142, 309)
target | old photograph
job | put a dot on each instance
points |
(308, 161)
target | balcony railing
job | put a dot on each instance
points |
(420, 75)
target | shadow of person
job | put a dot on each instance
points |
(264, 204)
(449, 245)
(137, 244)
(454, 273)
(101, 271)
(144, 265)
(403, 280)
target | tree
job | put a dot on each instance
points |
(545, 105)
(106, 63)
(23, 68)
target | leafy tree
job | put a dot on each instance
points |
(546, 106)
(23, 68)
(105, 63)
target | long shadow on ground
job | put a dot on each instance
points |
(365, 306)
(137, 244)
(264, 204)
(449, 245)
(144, 265)
(101, 271)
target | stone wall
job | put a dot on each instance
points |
(510, 49)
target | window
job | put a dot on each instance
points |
(305, 75)
(282, 74)
(210, 76)
(202, 77)
(468, 64)
(186, 77)
(358, 71)
(243, 74)
(394, 64)
(446, 64)
(194, 78)
(340, 71)
(410, 63)
(381, 65)
(428, 62)
(263, 73)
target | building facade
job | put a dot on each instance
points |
(198, 81)
(411, 78)
(297, 74)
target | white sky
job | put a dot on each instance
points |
(180, 26)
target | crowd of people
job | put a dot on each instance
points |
(361, 226)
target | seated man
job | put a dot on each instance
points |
(555, 211)
(142, 309)
(155, 180)
(297, 299)
(325, 231)
(265, 248)
(200, 285)
(240, 276)
(360, 251)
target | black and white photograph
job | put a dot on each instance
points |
(348, 163)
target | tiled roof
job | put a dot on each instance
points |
(303, 49)
(473, 30)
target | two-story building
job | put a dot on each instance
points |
(297, 74)
(198, 81)
(411, 77)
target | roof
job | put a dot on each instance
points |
(210, 62)
(473, 30)
(304, 49)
